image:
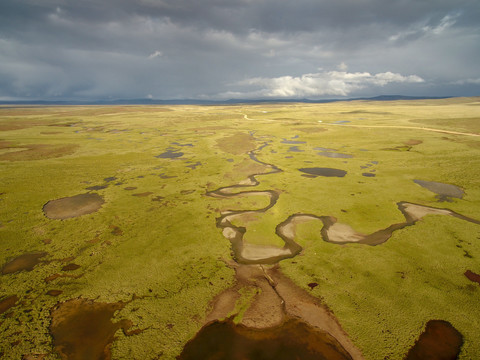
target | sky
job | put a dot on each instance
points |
(238, 49)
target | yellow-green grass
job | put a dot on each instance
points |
(169, 253)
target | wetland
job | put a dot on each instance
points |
(220, 246)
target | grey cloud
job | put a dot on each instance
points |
(340, 83)
(191, 48)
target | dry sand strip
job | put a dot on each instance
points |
(405, 127)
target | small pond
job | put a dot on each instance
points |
(444, 191)
(292, 340)
(328, 172)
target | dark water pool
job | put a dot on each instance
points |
(440, 340)
(291, 341)
(328, 172)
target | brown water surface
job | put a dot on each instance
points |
(8, 303)
(70, 267)
(440, 341)
(23, 262)
(83, 329)
(472, 276)
(293, 340)
(54, 292)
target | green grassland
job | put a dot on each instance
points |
(155, 238)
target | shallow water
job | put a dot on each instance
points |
(25, 262)
(295, 149)
(97, 187)
(440, 340)
(292, 340)
(82, 329)
(7, 303)
(170, 154)
(292, 142)
(335, 155)
(444, 191)
(328, 172)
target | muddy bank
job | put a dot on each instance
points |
(339, 233)
(292, 340)
(246, 253)
(275, 302)
(74, 206)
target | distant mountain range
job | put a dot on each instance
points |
(207, 102)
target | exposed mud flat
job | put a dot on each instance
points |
(73, 206)
(25, 262)
(440, 340)
(342, 233)
(83, 329)
(276, 301)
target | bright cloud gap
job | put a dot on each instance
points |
(337, 83)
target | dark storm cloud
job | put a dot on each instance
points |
(221, 48)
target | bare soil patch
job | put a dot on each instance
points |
(73, 206)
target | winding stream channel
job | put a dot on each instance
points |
(332, 231)
(279, 311)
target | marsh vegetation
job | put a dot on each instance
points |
(150, 231)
